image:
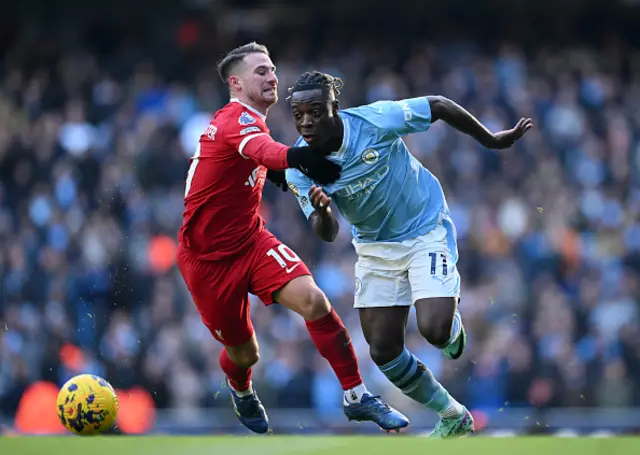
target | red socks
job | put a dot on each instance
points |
(333, 342)
(239, 378)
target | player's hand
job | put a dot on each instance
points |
(505, 139)
(278, 178)
(314, 164)
(319, 200)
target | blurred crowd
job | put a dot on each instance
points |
(95, 141)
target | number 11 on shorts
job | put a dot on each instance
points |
(434, 257)
(283, 255)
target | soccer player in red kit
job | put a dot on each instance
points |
(225, 251)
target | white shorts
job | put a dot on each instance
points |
(400, 273)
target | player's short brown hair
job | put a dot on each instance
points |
(231, 60)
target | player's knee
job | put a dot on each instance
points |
(435, 319)
(304, 297)
(246, 358)
(250, 359)
(314, 305)
(384, 351)
(246, 355)
(436, 331)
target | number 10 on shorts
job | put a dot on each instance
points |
(285, 256)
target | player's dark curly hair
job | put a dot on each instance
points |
(316, 79)
(229, 62)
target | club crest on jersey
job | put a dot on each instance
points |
(304, 201)
(294, 189)
(210, 132)
(370, 156)
(246, 119)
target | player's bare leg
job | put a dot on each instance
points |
(246, 355)
(384, 331)
(333, 342)
(236, 362)
(440, 323)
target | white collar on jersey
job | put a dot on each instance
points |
(236, 100)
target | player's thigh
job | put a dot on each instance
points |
(277, 274)
(384, 330)
(220, 292)
(435, 318)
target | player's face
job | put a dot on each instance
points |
(258, 80)
(314, 116)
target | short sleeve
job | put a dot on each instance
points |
(238, 132)
(412, 115)
(300, 185)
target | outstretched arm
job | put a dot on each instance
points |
(455, 115)
(260, 147)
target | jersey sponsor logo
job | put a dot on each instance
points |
(251, 129)
(365, 185)
(294, 189)
(370, 156)
(246, 119)
(210, 132)
(254, 178)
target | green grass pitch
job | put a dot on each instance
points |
(314, 445)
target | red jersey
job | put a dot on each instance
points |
(225, 181)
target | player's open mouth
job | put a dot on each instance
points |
(307, 137)
(269, 90)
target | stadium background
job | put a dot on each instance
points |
(100, 108)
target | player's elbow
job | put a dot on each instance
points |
(326, 229)
(331, 236)
(440, 107)
(328, 235)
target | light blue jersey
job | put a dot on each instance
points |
(384, 192)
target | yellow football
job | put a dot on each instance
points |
(87, 405)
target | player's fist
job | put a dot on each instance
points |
(314, 164)
(278, 178)
(505, 139)
(319, 199)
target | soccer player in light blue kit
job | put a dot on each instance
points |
(402, 232)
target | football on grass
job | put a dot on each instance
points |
(87, 405)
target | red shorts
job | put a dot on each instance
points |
(220, 289)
